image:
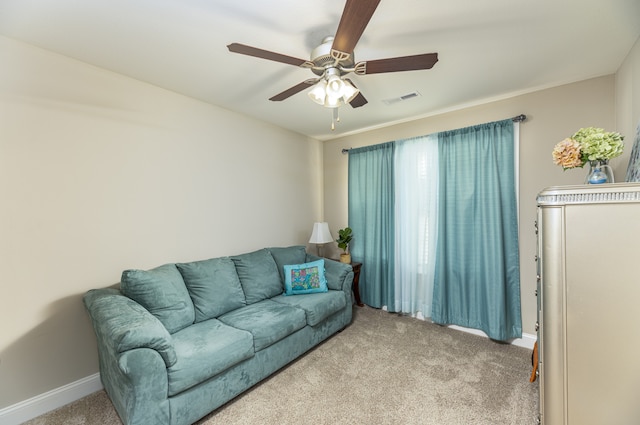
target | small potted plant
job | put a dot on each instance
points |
(344, 239)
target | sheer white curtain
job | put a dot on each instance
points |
(416, 227)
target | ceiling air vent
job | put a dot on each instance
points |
(407, 96)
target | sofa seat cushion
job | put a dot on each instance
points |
(204, 350)
(268, 321)
(317, 307)
(258, 275)
(214, 286)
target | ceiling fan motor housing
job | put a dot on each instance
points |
(322, 59)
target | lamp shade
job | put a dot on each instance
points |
(321, 233)
(349, 92)
(318, 92)
(334, 86)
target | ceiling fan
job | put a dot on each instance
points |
(334, 58)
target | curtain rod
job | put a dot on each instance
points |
(518, 118)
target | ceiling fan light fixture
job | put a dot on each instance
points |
(332, 91)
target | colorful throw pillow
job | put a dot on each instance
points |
(305, 278)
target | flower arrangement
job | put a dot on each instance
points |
(587, 144)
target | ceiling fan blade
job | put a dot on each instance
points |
(293, 90)
(405, 63)
(359, 100)
(264, 54)
(355, 17)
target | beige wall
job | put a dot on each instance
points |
(99, 173)
(628, 97)
(552, 115)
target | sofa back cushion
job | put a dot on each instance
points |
(258, 275)
(288, 255)
(214, 286)
(163, 293)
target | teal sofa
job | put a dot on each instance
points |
(180, 340)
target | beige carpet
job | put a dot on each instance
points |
(383, 369)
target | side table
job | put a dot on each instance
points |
(356, 280)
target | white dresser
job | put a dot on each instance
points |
(588, 266)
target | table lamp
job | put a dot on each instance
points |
(320, 236)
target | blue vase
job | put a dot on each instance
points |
(599, 172)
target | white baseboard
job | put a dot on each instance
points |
(51, 400)
(526, 341)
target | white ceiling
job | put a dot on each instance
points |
(488, 49)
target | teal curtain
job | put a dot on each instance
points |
(477, 277)
(371, 217)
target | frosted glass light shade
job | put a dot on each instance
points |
(332, 102)
(349, 92)
(321, 233)
(335, 86)
(318, 92)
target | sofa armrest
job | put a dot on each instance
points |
(339, 275)
(122, 325)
